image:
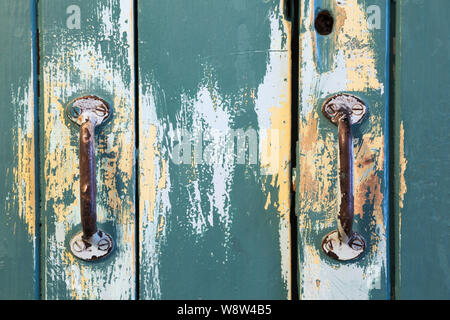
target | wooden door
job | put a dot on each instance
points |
(218, 173)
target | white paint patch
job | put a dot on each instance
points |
(270, 94)
(211, 119)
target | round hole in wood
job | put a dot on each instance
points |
(324, 23)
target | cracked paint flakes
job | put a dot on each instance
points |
(154, 188)
(353, 69)
(273, 109)
(24, 171)
(210, 115)
(68, 73)
(369, 162)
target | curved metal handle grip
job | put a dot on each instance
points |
(90, 244)
(343, 244)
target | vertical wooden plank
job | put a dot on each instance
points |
(86, 48)
(351, 59)
(17, 165)
(211, 225)
(421, 153)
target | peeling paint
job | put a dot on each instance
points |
(154, 188)
(350, 66)
(23, 190)
(274, 113)
(73, 66)
(197, 211)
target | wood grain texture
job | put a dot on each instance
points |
(17, 166)
(213, 228)
(94, 59)
(421, 153)
(351, 59)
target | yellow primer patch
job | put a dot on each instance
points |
(368, 163)
(317, 169)
(115, 159)
(24, 173)
(147, 187)
(360, 59)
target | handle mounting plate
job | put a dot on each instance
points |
(354, 106)
(342, 250)
(92, 107)
(96, 247)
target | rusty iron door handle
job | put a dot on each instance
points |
(344, 110)
(91, 244)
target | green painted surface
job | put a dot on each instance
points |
(17, 207)
(352, 59)
(219, 229)
(422, 181)
(89, 56)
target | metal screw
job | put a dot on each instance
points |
(103, 244)
(357, 109)
(79, 246)
(331, 109)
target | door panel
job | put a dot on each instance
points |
(422, 150)
(352, 59)
(212, 165)
(212, 225)
(18, 246)
(86, 48)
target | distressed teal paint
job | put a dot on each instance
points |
(329, 65)
(224, 48)
(17, 240)
(94, 59)
(422, 95)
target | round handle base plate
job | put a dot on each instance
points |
(354, 106)
(339, 250)
(96, 247)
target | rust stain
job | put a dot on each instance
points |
(317, 168)
(276, 146)
(369, 162)
(160, 226)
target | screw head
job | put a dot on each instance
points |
(354, 106)
(357, 109)
(96, 247)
